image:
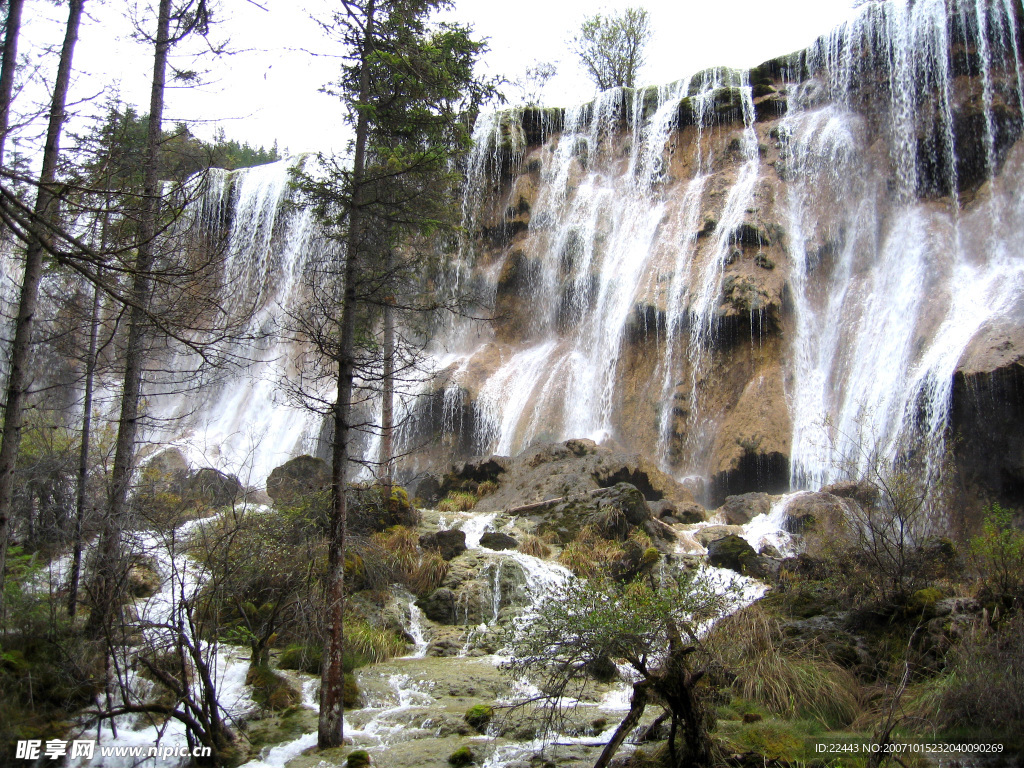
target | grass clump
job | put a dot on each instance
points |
(366, 644)
(270, 689)
(799, 681)
(535, 547)
(305, 658)
(458, 501)
(486, 488)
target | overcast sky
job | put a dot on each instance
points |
(269, 89)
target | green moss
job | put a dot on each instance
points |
(461, 757)
(306, 658)
(358, 758)
(351, 693)
(479, 716)
(270, 689)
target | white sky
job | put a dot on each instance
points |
(270, 89)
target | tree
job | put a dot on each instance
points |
(611, 47)
(534, 80)
(18, 378)
(408, 87)
(651, 625)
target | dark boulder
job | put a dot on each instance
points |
(449, 544)
(428, 490)
(498, 541)
(736, 554)
(212, 487)
(298, 479)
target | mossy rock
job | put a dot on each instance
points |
(305, 658)
(461, 757)
(351, 694)
(479, 717)
(270, 689)
(358, 758)
(923, 602)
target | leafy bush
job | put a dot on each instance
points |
(997, 555)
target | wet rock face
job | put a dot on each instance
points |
(988, 412)
(740, 510)
(298, 479)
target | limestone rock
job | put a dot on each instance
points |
(988, 411)
(298, 479)
(712, 533)
(212, 487)
(751, 450)
(736, 554)
(740, 510)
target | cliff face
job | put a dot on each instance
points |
(757, 278)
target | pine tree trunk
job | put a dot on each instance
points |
(110, 579)
(387, 420)
(19, 377)
(12, 29)
(330, 728)
(83, 452)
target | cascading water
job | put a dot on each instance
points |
(247, 421)
(889, 284)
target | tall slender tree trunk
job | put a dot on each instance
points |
(12, 28)
(330, 730)
(110, 579)
(83, 452)
(387, 420)
(19, 379)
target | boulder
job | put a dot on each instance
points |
(740, 510)
(167, 471)
(988, 412)
(498, 541)
(449, 544)
(864, 493)
(212, 487)
(613, 512)
(736, 554)
(715, 532)
(428, 490)
(822, 519)
(298, 479)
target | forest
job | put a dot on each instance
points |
(676, 428)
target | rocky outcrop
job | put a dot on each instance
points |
(211, 487)
(298, 479)
(988, 412)
(560, 471)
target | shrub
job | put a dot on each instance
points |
(479, 716)
(350, 693)
(458, 501)
(986, 686)
(997, 555)
(461, 757)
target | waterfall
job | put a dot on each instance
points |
(890, 286)
(247, 420)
